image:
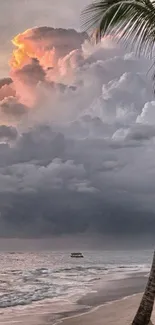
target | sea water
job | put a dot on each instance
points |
(31, 278)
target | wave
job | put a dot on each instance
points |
(102, 268)
(40, 276)
(81, 268)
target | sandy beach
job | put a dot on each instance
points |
(119, 312)
(116, 313)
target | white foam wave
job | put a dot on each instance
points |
(57, 277)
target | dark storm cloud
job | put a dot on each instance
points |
(40, 215)
(50, 195)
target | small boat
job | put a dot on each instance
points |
(77, 255)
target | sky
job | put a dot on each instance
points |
(77, 130)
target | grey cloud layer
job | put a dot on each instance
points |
(84, 160)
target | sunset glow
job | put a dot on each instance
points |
(26, 49)
(22, 53)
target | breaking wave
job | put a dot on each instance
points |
(27, 278)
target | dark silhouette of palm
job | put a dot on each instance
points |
(131, 21)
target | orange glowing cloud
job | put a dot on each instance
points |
(21, 55)
(46, 44)
(27, 49)
(41, 55)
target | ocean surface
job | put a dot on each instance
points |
(30, 278)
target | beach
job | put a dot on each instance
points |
(49, 288)
(119, 312)
(114, 303)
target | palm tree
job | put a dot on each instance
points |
(133, 22)
(144, 312)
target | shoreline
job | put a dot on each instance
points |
(106, 294)
(96, 308)
(93, 315)
(115, 289)
(118, 312)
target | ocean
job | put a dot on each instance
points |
(31, 279)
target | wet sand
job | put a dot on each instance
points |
(115, 290)
(120, 312)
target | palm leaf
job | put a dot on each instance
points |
(132, 21)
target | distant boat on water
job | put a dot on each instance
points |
(77, 255)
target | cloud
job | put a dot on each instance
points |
(30, 74)
(62, 40)
(8, 133)
(6, 88)
(11, 107)
(141, 132)
(42, 55)
(5, 81)
(65, 15)
(147, 114)
(82, 156)
(57, 175)
(46, 44)
(25, 81)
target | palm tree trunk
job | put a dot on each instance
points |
(144, 312)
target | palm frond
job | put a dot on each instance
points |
(132, 21)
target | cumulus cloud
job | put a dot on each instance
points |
(141, 132)
(6, 88)
(57, 175)
(46, 44)
(8, 132)
(42, 56)
(10, 106)
(80, 154)
(5, 81)
(63, 41)
(147, 114)
(30, 74)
